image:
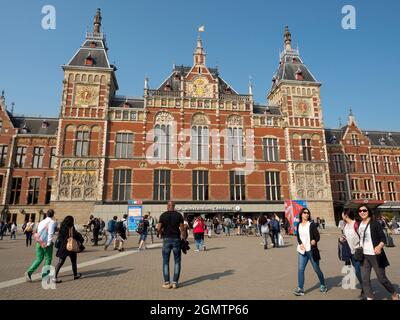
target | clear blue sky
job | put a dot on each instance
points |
(358, 68)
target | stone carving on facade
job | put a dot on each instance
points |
(235, 121)
(200, 120)
(76, 193)
(310, 182)
(164, 118)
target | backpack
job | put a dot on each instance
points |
(275, 225)
(119, 227)
(111, 226)
(140, 228)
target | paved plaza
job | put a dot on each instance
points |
(232, 268)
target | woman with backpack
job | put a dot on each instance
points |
(372, 254)
(351, 236)
(198, 232)
(69, 242)
(307, 238)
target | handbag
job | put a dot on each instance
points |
(72, 244)
(315, 253)
(359, 252)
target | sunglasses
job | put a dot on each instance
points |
(363, 210)
(306, 212)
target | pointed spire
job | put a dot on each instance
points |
(97, 22)
(352, 119)
(340, 122)
(146, 82)
(199, 54)
(288, 39)
(250, 86)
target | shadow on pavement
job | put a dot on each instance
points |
(104, 273)
(215, 248)
(212, 276)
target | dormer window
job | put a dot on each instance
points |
(334, 139)
(24, 129)
(382, 141)
(299, 74)
(45, 124)
(228, 90)
(355, 140)
(126, 104)
(390, 137)
(89, 61)
(93, 44)
(167, 87)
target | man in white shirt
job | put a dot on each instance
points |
(44, 246)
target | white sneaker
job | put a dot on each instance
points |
(197, 250)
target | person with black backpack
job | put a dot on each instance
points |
(121, 228)
(95, 222)
(112, 233)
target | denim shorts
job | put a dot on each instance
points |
(143, 237)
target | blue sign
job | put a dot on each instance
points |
(134, 217)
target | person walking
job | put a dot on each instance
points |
(323, 223)
(227, 226)
(308, 238)
(152, 223)
(68, 231)
(96, 223)
(263, 221)
(2, 228)
(143, 235)
(373, 240)
(14, 229)
(28, 230)
(112, 232)
(276, 229)
(44, 246)
(172, 230)
(122, 233)
(198, 233)
(209, 228)
(351, 236)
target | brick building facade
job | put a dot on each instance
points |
(194, 139)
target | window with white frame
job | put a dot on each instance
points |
(235, 144)
(364, 163)
(398, 164)
(122, 184)
(3, 155)
(375, 164)
(351, 161)
(273, 184)
(38, 154)
(33, 191)
(341, 189)
(200, 185)
(200, 143)
(270, 148)
(306, 148)
(20, 157)
(52, 162)
(337, 161)
(354, 139)
(392, 191)
(386, 161)
(237, 185)
(162, 142)
(82, 143)
(124, 146)
(162, 185)
(379, 190)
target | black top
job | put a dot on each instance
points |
(378, 236)
(62, 239)
(146, 225)
(314, 234)
(170, 222)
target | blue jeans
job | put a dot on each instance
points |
(171, 244)
(275, 236)
(199, 240)
(111, 237)
(302, 263)
(357, 267)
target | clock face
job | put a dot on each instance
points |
(200, 88)
(303, 108)
(85, 95)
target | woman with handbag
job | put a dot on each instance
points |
(69, 243)
(28, 230)
(308, 237)
(372, 254)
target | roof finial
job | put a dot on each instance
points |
(2, 93)
(250, 86)
(340, 122)
(97, 22)
(288, 39)
(351, 113)
(12, 107)
(199, 55)
(146, 82)
(352, 120)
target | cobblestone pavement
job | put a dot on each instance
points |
(232, 268)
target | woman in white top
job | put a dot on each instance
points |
(350, 234)
(372, 241)
(308, 237)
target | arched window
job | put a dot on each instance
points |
(200, 138)
(163, 136)
(235, 138)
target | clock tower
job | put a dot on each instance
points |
(89, 84)
(297, 93)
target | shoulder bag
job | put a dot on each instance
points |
(72, 244)
(359, 252)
